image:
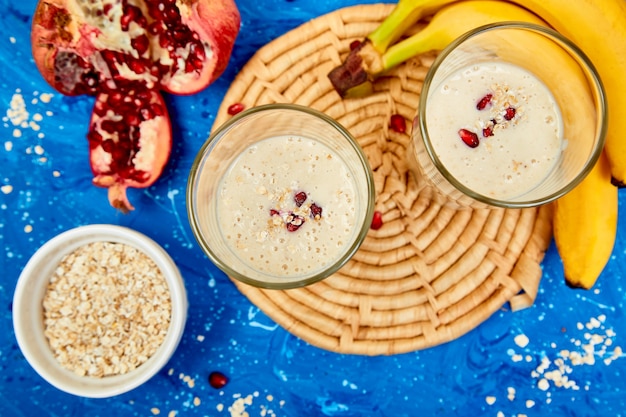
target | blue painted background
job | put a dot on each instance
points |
(45, 184)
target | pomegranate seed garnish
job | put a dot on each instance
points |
(354, 45)
(299, 198)
(274, 212)
(217, 379)
(488, 131)
(509, 113)
(398, 123)
(377, 221)
(483, 102)
(469, 138)
(316, 211)
(294, 222)
(233, 109)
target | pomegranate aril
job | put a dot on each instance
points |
(165, 40)
(121, 155)
(217, 379)
(294, 222)
(156, 27)
(131, 14)
(108, 145)
(235, 108)
(115, 99)
(299, 198)
(94, 138)
(274, 212)
(196, 50)
(398, 123)
(140, 44)
(142, 97)
(316, 211)
(108, 126)
(157, 109)
(136, 66)
(171, 14)
(483, 102)
(469, 138)
(354, 45)
(146, 113)
(132, 119)
(377, 221)
(509, 113)
(487, 131)
(196, 63)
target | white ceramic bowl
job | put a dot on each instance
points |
(28, 311)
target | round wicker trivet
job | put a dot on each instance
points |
(431, 273)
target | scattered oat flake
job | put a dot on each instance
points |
(521, 340)
(172, 413)
(6, 189)
(28, 228)
(46, 97)
(530, 403)
(490, 400)
(238, 407)
(155, 411)
(8, 146)
(188, 380)
(511, 393)
(56, 174)
(196, 401)
(12, 39)
(17, 133)
(17, 112)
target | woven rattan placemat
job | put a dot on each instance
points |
(431, 273)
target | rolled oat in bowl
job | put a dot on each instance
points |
(107, 309)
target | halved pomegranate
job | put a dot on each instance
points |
(181, 46)
(123, 52)
(129, 141)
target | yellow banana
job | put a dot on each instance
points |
(450, 22)
(585, 224)
(598, 27)
(375, 56)
(351, 78)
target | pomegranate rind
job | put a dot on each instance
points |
(217, 23)
(57, 29)
(156, 153)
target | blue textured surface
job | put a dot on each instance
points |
(46, 189)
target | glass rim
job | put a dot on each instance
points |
(191, 200)
(594, 80)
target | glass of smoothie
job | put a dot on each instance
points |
(280, 196)
(510, 115)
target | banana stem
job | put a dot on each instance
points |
(426, 40)
(402, 17)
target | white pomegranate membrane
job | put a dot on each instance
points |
(517, 125)
(287, 207)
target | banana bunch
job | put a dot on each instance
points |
(585, 219)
